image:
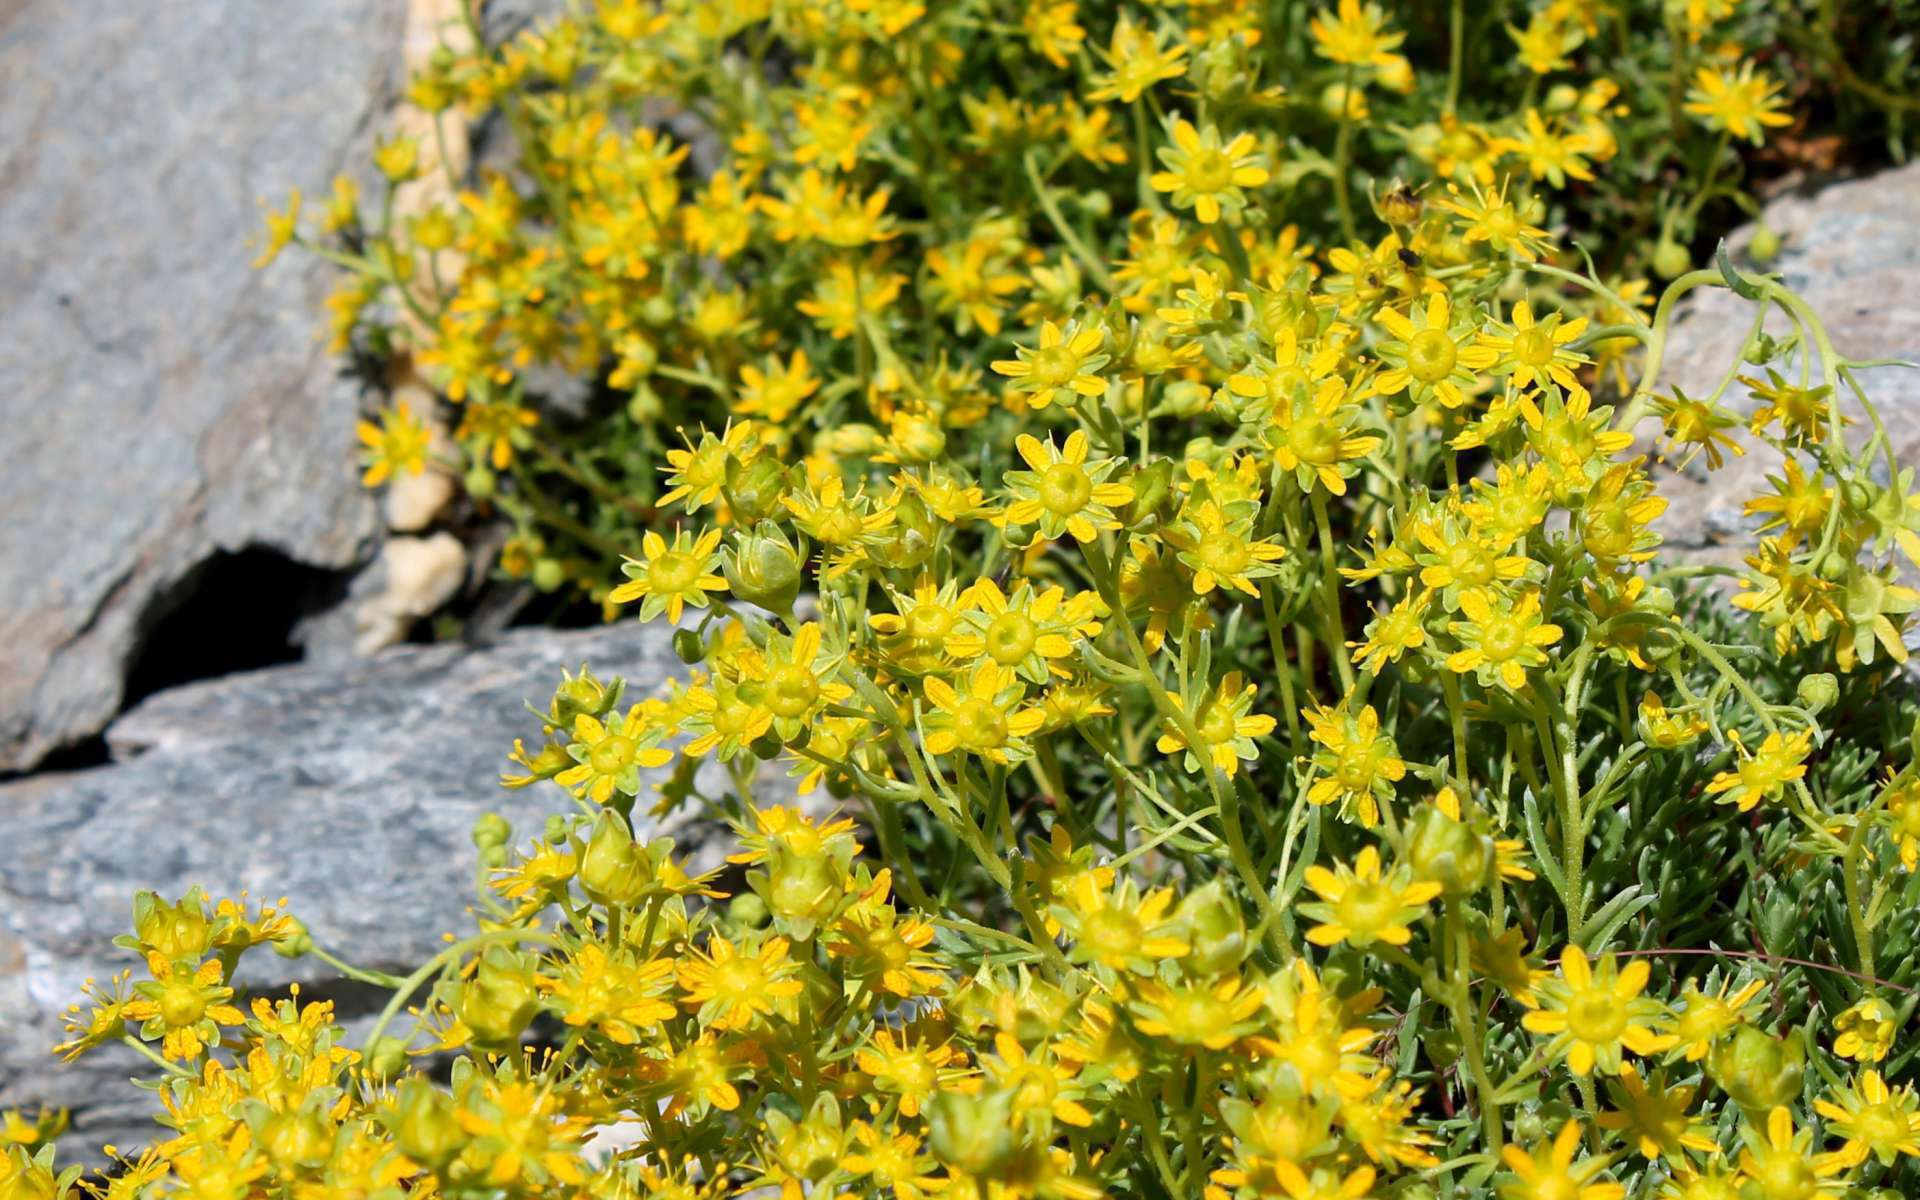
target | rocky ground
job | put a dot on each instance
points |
(179, 502)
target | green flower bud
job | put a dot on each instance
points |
(918, 439)
(1817, 693)
(614, 869)
(1447, 852)
(644, 407)
(1764, 246)
(296, 944)
(480, 483)
(490, 830)
(688, 646)
(975, 1133)
(1215, 926)
(747, 911)
(1151, 488)
(549, 574)
(499, 1001)
(387, 1058)
(1096, 203)
(763, 568)
(754, 490)
(423, 1124)
(1758, 1071)
(802, 889)
(1670, 259)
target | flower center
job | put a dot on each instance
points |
(611, 755)
(1223, 554)
(1534, 347)
(672, 572)
(1209, 171)
(929, 622)
(1315, 441)
(181, 1005)
(792, 690)
(1054, 365)
(1596, 1016)
(1011, 638)
(1501, 640)
(1065, 489)
(980, 725)
(1431, 355)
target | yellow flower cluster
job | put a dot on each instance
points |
(1205, 663)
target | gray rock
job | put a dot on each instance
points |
(1851, 251)
(350, 790)
(160, 400)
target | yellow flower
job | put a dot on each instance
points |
(610, 756)
(1360, 907)
(1865, 1031)
(1313, 435)
(1902, 809)
(1501, 637)
(698, 472)
(1535, 354)
(1786, 1162)
(398, 445)
(1029, 633)
(1551, 154)
(1394, 632)
(281, 229)
(1119, 928)
(1654, 1116)
(1765, 773)
(903, 1064)
(1063, 492)
(1357, 35)
(183, 1007)
(1221, 550)
(775, 392)
(986, 720)
(1358, 765)
(1066, 360)
(1665, 728)
(667, 578)
(1876, 1121)
(1703, 1018)
(1591, 1016)
(1196, 1013)
(1548, 1171)
(1435, 354)
(1739, 102)
(1224, 726)
(1136, 61)
(1053, 30)
(733, 988)
(1205, 175)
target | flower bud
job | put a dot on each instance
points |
(974, 1132)
(614, 870)
(297, 943)
(754, 489)
(387, 1058)
(918, 439)
(763, 568)
(423, 1124)
(747, 911)
(802, 889)
(491, 830)
(1817, 693)
(1151, 488)
(549, 574)
(480, 483)
(1670, 259)
(499, 1001)
(1215, 926)
(1758, 1071)
(688, 646)
(1449, 853)
(1764, 246)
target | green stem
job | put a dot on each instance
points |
(1330, 587)
(1342, 153)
